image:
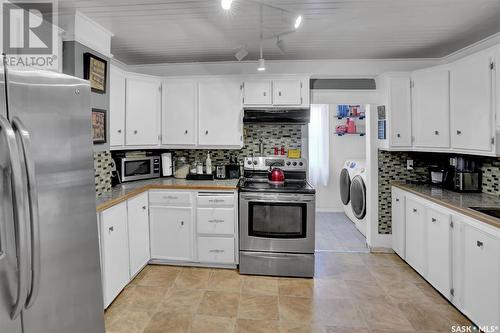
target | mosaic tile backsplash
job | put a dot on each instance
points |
(102, 172)
(272, 135)
(392, 167)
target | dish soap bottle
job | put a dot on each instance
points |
(208, 164)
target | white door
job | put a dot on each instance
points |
(220, 113)
(114, 238)
(398, 222)
(431, 108)
(400, 111)
(179, 111)
(171, 233)
(471, 107)
(439, 250)
(143, 112)
(138, 231)
(257, 92)
(482, 276)
(415, 245)
(287, 92)
(116, 107)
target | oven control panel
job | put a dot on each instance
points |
(285, 163)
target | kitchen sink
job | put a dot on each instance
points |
(491, 211)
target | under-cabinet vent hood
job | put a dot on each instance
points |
(283, 116)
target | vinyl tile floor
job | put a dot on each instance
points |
(336, 232)
(351, 292)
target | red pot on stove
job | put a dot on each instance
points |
(276, 176)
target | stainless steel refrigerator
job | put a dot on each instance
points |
(50, 277)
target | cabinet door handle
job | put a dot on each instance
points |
(436, 132)
(216, 251)
(143, 207)
(264, 93)
(397, 199)
(459, 132)
(398, 135)
(186, 132)
(479, 244)
(119, 131)
(279, 93)
(206, 132)
(215, 221)
(414, 210)
(433, 220)
(135, 132)
(111, 229)
(182, 223)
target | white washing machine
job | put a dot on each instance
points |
(353, 179)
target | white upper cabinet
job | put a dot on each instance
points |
(220, 113)
(116, 106)
(278, 91)
(431, 108)
(287, 92)
(143, 104)
(471, 103)
(257, 92)
(396, 93)
(179, 112)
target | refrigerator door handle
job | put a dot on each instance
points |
(25, 140)
(19, 217)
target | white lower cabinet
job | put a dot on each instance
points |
(171, 233)
(438, 250)
(457, 255)
(138, 232)
(115, 254)
(398, 222)
(217, 250)
(481, 296)
(415, 235)
(215, 220)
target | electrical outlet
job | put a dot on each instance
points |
(409, 164)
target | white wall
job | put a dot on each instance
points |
(342, 148)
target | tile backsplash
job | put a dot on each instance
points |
(272, 135)
(102, 172)
(392, 167)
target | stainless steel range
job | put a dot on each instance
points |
(276, 220)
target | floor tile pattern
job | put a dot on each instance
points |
(335, 232)
(352, 292)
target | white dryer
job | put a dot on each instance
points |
(353, 180)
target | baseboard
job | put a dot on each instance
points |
(328, 210)
(381, 250)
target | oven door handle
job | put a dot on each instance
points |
(276, 199)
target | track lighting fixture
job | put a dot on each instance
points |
(226, 4)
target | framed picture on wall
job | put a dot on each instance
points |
(98, 126)
(95, 70)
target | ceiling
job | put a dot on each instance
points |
(159, 31)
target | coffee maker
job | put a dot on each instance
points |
(464, 175)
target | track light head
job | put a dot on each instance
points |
(262, 65)
(298, 22)
(241, 53)
(280, 44)
(226, 4)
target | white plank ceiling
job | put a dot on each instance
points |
(157, 31)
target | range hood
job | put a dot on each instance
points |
(274, 115)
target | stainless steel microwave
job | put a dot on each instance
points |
(136, 168)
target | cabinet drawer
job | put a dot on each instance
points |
(216, 221)
(164, 198)
(220, 200)
(216, 250)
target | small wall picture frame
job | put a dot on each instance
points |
(99, 126)
(95, 70)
